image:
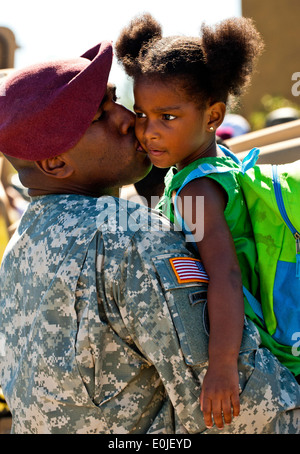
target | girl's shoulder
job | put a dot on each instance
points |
(221, 169)
(200, 168)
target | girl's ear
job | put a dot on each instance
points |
(216, 114)
(55, 167)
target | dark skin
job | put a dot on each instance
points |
(176, 131)
(107, 157)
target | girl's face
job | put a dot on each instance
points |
(171, 128)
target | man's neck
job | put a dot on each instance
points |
(35, 192)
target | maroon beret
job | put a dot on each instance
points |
(46, 108)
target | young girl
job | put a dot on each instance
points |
(181, 88)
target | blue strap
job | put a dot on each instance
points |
(279, 200)
(248, 162)
(284, 215)
(254, 303)
(229, 154)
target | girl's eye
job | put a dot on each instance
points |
(169, 117)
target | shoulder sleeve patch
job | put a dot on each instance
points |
(188, 269)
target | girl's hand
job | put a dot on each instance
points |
(219, 397)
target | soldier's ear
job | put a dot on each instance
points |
(55, 167)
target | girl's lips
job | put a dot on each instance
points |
(156, 152)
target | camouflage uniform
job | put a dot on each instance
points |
(99, 336)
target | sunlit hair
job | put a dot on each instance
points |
(210, 68)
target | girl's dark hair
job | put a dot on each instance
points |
(211, 67)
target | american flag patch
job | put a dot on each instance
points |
(188, 270)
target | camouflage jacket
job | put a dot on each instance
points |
(99, 333)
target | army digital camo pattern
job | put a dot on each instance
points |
(98, 336)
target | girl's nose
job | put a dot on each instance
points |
(150, 131)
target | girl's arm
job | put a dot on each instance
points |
(220, 390)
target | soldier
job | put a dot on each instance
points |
(103, 323)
